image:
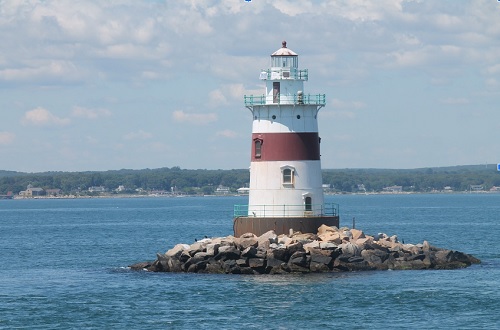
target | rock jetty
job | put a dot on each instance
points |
(330, 250)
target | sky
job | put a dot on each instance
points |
(132, 84)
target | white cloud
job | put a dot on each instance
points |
(227, 92)
(227, 133)
(494, 69)
(42, 117)
(6, 138)
(343, 137)
(138, 135)
(339, 104)
(217, 98)
(90, 113)
(36, 70)
(455, 101)
(194, 118)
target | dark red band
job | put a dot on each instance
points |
(285, 146)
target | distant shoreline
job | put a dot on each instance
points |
(236, 195)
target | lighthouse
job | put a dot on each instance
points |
(286, 187)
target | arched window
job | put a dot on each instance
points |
(287, 176)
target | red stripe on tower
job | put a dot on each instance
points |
(285, 146)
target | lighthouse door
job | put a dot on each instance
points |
(308, 203)
(276, 92)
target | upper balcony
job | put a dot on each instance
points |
(284, 73)
(295, 99)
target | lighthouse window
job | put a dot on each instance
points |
(258, 148)
(288, 176)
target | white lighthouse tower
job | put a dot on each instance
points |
(286, 190)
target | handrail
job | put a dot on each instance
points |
(286, 210)
(288, 73)
(296, 99)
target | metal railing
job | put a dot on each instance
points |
(288, 73)
(287, 210)
(312, 99)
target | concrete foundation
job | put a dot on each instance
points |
(259, 226)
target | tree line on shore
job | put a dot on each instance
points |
(203, 181)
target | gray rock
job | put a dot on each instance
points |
(228, 252)
(267, 238)
(177, 250)
(294, 247)
(249, 252)
(279, 254)
(246, 242)
(350, 249)
(318, 267)
(299, 258)
(213, 248)
(256, 262)
(322, 257)
(261, 252)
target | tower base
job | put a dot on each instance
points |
(259, 226)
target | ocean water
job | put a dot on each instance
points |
(63, 265)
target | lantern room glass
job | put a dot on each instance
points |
(284, 61)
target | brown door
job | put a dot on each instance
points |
(276, 92)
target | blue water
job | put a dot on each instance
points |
(63, 266)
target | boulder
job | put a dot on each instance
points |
(261, 252)
(284, 240)
(311, 246)
(256, 262)
(375, 258)
(294, 247)
(328, 246)
(281, 254)
(228, 252)
(272, 262)
(267, 238)
(333, 237)
(174, 265)
(195, 248)
(319, 256)
(357, 234)
(246, 242)
(141, 265)
(304, 238)
(318, 267)
(177, 250)
(350, 249)
(323, 229)
(213, 248)
(362, 242)
(248, 235)
(249, 252)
